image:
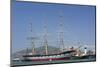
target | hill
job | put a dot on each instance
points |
(39, 50)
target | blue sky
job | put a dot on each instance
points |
(79, 24)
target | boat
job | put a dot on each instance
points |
(66, 55)
(62, 55)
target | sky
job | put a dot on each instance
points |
(78, 20)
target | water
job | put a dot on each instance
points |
(21, 63)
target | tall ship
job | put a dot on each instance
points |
(61, 55)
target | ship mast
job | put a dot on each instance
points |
(61, 33)
(45, 38)
(31, 38)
